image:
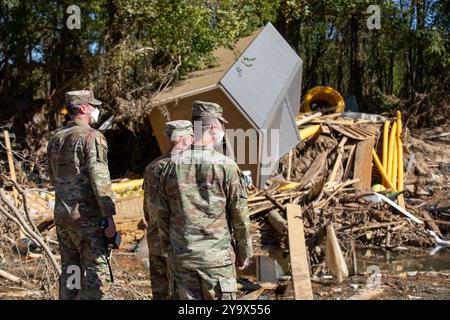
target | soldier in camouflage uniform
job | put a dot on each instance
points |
(78, 168)
(203, 220)
(179, 137)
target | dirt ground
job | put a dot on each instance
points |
(132, 281)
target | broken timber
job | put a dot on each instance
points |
(313, 170)
(338, 161)
(353, 131)
(298, 254)
(363, 164)
(277, 221)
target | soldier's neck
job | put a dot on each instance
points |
(81, 120)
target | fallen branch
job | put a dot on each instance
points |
(275, 202)
(446, 223)
(375, 226)
(440, 135)
(13, 278)
(22, 192)
(21, 222)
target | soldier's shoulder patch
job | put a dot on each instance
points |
(96, 142)
(97, 139)
(101, 140)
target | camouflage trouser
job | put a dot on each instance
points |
(203, 284)
(83, 248)
(158, 277)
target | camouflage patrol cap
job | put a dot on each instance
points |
(178, 128)
(207, 109)
(81, 97)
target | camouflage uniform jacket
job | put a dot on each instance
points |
(203, 206)
(78, 168)
(151, 177)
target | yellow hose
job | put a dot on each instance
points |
(391, 149)
(309, 131)
(382, 171)
(399, 151)
(385, 145)
(121, 186)
(289, 186)
(394, 164)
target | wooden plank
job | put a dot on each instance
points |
(347, 131)
(289, 169)
(307, 119)
(253, 295)
(363, 164)
(351, 157)
(338, 161)
(298, 254)
(314, 169)
(12, 171)
(130, 208)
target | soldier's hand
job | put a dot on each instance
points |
(111, 230)
(241, 265)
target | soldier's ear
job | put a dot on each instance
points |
(84, 109)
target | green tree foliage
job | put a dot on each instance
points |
(127, 50)
(408, 54)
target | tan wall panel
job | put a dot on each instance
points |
(182, 111)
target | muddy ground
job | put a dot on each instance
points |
(132, 279)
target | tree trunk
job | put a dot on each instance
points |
(355, 61)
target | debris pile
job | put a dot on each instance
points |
(339, 177)
(332, 174)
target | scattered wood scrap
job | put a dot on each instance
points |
(298, 254)
(363, 164)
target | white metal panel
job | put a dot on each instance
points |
(261, 73)
(269, 154)
(286, 139)
(289, 137)
(295, 91)
(265, 82)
